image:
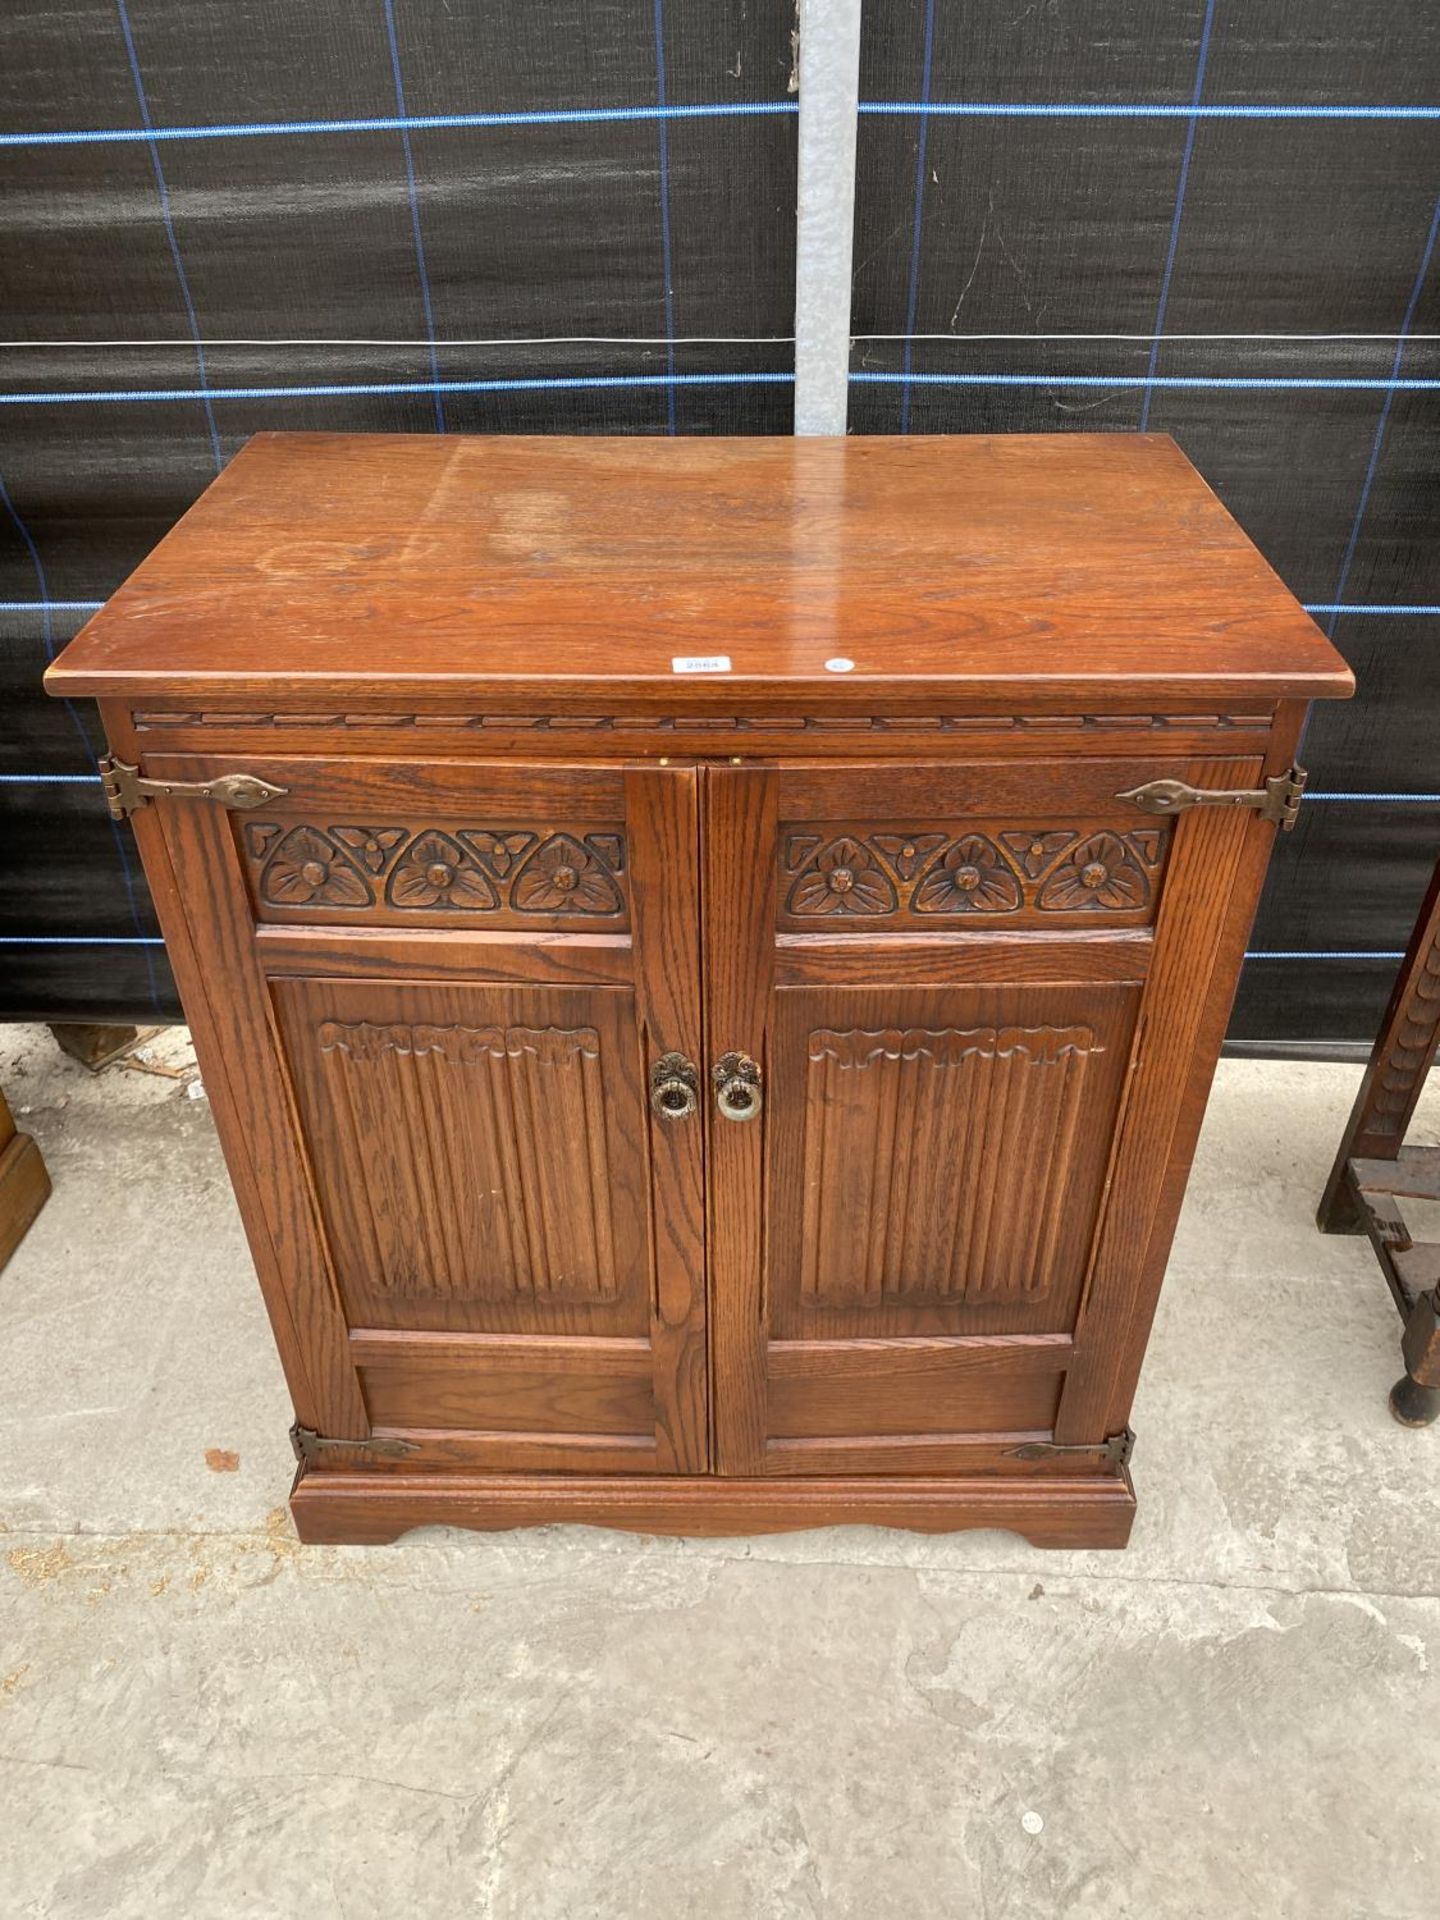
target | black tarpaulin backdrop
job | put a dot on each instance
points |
(570, 190)
(1057, 224)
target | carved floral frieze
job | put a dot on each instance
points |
(997, 871)
(520, 870)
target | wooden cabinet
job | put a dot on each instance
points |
(707, 956)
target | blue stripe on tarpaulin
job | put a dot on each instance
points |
(395, 123)
(42, 581)
(1340, 953)
(1136, 110)
(53, 606)
(711, 110)
(1189, 148)
(1360, 606)
(1239, 382)
(316, 391)
(142, 101)
(425, 301)
(1378, 438)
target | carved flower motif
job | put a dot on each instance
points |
(1098, 875)
(1034, 849)
(973, 877)
(500, 850)
(369, 847)
(845, 877)
(308, 870)
(908, 852)
(437, 872)
(562, 876)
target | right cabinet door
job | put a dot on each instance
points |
(950, 979)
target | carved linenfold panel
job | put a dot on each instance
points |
(499, 870)
(936, 1162)
(151, 719)
(484, 1157)
(988, 871)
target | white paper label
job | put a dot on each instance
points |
(700, 663)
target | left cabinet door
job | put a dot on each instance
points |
(431, 1000)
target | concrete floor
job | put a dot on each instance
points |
(1237, 1717)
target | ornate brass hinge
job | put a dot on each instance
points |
(1114, 1452)
(1277, 800)
(309, 1445)
(126, 789)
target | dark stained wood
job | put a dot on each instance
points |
(327, 573)
(1399, 1065)
(385, 953)
(665, 887)
(954, 958)
(24, 1183)
(891, 729)
(738, 900)
(204, 915)
(478, 1151)
(1198, 949)
(1373, 1164)
(96, 1045)
(518, 858)
(370, 1509)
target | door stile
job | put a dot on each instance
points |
(189, 858)
(662, 811)
(1218, 866)
(738, 898)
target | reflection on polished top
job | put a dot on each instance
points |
(1037, 569)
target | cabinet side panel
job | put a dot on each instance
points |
(188, 855)
(1217, 870)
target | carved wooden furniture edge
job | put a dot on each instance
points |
(150, 719)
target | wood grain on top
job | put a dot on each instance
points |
(1027, 569)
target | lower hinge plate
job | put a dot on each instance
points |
(310, 1445)
(1114, 1452)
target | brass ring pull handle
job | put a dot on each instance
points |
(674, 1087)
(737, 1086)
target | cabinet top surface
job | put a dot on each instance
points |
(1035, 569)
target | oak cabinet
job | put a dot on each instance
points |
(707, 957)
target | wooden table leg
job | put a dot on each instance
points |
(1398, 1065)
(1373, 1168)
(1415, 1396)
(24, 1183)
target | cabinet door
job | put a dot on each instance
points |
(943, 974)
(431, 998)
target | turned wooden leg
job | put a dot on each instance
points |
(1404, 1049)
(1415, 1396)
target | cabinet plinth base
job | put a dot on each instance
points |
(359, 1509)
